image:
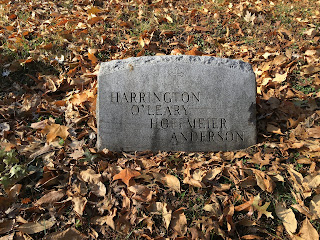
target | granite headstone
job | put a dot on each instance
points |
(176, 103)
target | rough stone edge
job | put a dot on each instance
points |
(118, 65)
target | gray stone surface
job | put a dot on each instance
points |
(176, 103)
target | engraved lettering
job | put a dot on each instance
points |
(240, 136)
(158, 109)
(229, 136)
(185, 97)
(149, 110)
(165, 98)
(164, 123)
(157, 97)
(196, 97)
(201, 122)
(142, 96)
(211, 136)
(154, 123)
(174, 139)
(115, 97)
(167, 111)
(135, 109)
(202, 136)
(223, 123)
(133, 97)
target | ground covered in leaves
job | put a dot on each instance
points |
(55, 185)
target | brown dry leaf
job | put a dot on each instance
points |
(179, 222)
(172, 182)
(69, 234)
(213, 208)
(310, 69)
(273, 129)
(311, 32)
(312, 180)
(288, 218)
(106, 219)
(264, 181)
(245, 205)
(125, 175)
(141, 193)
(161, 208)
(315, 207)
(35, 227)
(55, 130)
(279, 78)
(307, 231)
(94, 10)
(261, 209)
(90, 176)
(212, 173)
(92, 57)
(6, 226)
(79, 204)
(314, 132)
(251, 237)
(50, 197)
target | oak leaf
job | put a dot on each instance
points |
(55, 130)
(125, 175)
(261, 209)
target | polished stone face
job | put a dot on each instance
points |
(176, 103)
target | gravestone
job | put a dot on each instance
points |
(176, 103)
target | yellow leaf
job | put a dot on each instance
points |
(170, 20)
(315, 207)
(307, 231)
(261, 209)
(55, 130)
(288, 218)
(279, 78)
(172, 182)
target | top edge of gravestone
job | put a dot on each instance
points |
(123, 64)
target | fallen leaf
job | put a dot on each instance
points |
(264, 181)
(79, 204)
(288, 218)
(315, 207)
(55, 130)
(261, 209)
(141, 193)
(179, 222)
(50, 197)
(35, 227)
(125, 175)
(314, 132)
(105, 219)
(172, 182)
(69, 234)
(307, 231)
(90, 176)
(6, 226)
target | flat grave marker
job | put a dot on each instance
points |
(176, 103)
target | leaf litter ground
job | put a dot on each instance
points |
(54, 185)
